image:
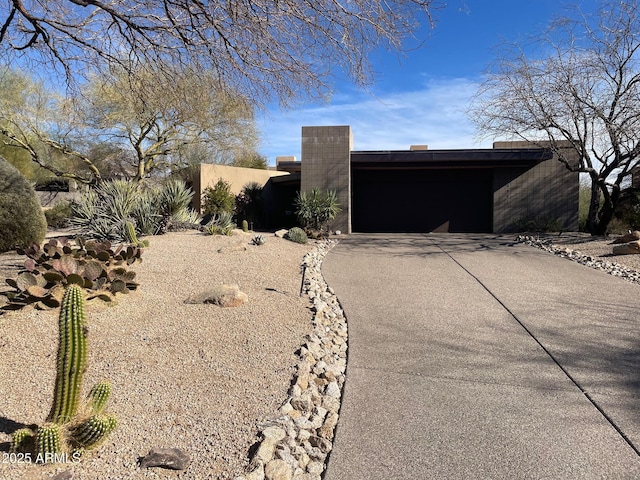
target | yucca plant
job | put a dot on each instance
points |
(316, 208)
(101, 213)
(176, 196)
(146, 214)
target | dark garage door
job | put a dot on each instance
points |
(422, 200)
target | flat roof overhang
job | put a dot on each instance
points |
(289, 166)
(284, 180)
(426, 159)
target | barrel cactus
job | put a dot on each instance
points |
(22, 221)
(73, 424)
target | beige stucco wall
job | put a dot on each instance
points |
(209, 174)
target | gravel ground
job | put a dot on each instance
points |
(595, 252)
(196, 377)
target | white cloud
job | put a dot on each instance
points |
(433, 115)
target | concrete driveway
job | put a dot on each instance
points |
(471, 356)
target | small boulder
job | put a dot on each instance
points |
(65, 475)
(628, 237)
(223, 296)
(171, 458)
(232, 248)
(281, 233)
(277, 470)
(327, 429)
(627, 248)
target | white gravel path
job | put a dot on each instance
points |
(196, 377)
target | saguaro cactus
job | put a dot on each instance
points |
(72, 356)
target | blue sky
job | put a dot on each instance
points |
(420, 97)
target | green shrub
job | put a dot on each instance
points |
(296, 235)
(316, 208)
(58, 216)
(218, 199)
(627, 213)
(249, 203)
(22, 221)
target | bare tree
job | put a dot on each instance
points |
(160, 114)
(263, 48)
(132, 126)
(583, 91)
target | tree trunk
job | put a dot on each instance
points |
(599, 218)
(594, 207)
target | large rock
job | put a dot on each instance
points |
(627, 248)
(166, 458)
(628, 237)
(277, 470)
(223, 296)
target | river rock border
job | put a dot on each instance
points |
(295, 445)
(612, 268)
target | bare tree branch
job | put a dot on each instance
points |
(584, 94)
(263, 49)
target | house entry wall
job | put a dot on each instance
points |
(326, 157)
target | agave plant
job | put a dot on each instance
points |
(258, 240)
(220, 224)
(103, 213)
